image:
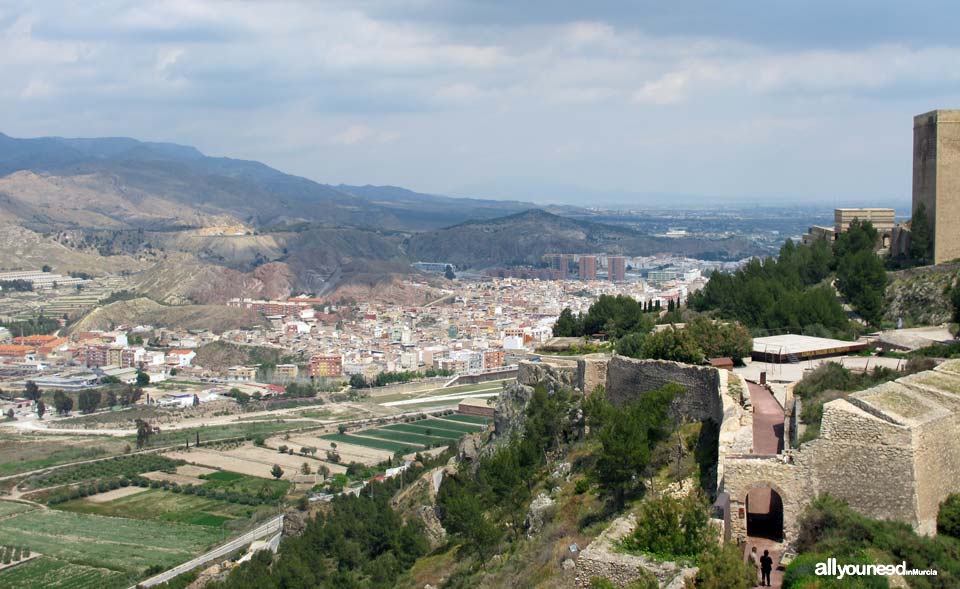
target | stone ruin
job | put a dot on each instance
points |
(891, 452)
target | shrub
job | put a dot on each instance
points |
(722, 567)
(582, 486)
(671, 529)
(948, 519)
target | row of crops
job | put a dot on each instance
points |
(415, 435)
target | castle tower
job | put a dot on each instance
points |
(936, 178)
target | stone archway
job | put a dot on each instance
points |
(764, 512)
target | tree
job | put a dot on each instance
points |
(45, 268)
(144, 431)
(566, 325)
(448, 273)
(862, 279)
(631, 345)
(674, 344)
(948, 518)
(62, 403)
(88, 401)
(276, 471)
(955, 301)
(627, 439)
(10, 414)
(196, 400)
(143, 379)
(41, 409)
(921, 245)
(111, 398)
(357, 381)
(31, 391)
(342, 428)
(305, 468)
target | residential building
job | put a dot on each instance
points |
(588, 267)
(326, 366)
(617, 268)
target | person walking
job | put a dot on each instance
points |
(752, 559)
(766, 565)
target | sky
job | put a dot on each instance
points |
(634, 103)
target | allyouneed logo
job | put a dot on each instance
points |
(831, 568)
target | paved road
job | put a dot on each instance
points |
(271, 527)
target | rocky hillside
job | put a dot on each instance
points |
(143, 311)
(21, 249)
(919, 295)
(182, 278)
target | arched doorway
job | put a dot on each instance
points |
(764, 514)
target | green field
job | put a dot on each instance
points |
(413, 428)
(129, 546)
(234, 482)
(217, 432)
(67, 454)
(51, 573)
(160, 505)
(128, 466)
(11, 507)
(465, 428)
(367, 442)
(484, 421)
(423, 440)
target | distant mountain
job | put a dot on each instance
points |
(525, 237)
(121, 182)
(420, 211)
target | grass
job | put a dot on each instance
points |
(125, 545)
(484, 421)
(234, 482)
(369, 443)
(53, 573)
(23, 454)
(160, 505)
(413, 428)
(12, 507)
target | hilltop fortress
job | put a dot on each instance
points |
(891, 452)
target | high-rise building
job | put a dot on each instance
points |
(565, 260)
(936, 178)
(588, 267)
(617, 268)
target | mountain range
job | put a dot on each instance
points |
(202, 229)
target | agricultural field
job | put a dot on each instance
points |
(464, 428)
(126, 546)
(426, 430)
(23, 453)
(371, 443)
(51, 573)
(165, 506)
(234, 482)
(242, 429)
(410, 438)
(126, 466)
(475, 420)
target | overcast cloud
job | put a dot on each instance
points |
(554, 101)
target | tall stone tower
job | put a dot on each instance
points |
(936, 178)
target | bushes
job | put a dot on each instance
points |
(948, 519)
(801, 574)
(671, 529)
(722, 567)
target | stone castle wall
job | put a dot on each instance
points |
(627, 379)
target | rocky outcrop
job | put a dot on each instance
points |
(540, 510)
(294, 523)
(556, 372)
(919, 295)
(508, 413)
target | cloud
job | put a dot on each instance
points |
(485, 93)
